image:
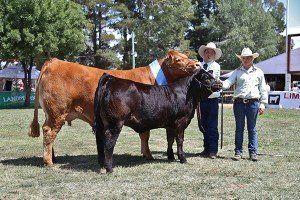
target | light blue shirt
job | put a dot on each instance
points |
(249, 84)
(215, 68)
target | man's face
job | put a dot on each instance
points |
(247, 61)
(209, 55)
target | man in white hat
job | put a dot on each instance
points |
(250, 97)
(209, 107)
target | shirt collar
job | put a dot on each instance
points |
(251, 69)
(208, 63)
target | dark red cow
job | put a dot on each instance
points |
(143, 107)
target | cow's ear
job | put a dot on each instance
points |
(169, 58)
(170, 55)
(187, 53)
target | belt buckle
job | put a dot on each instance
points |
(245, 101)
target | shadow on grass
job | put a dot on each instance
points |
(83, 162)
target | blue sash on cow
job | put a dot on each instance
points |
(158, 73)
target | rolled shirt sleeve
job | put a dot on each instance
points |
(263, 92)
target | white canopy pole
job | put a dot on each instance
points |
(287, 85)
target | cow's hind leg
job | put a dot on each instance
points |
(100, 141)
(170, 139)
(50, 131)
(145, 145)
(111, 136)
(179, 141)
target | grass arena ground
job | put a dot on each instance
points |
(76, 175)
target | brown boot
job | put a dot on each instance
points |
(237, 157)
(254, 157)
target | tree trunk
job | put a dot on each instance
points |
(94, 35)
(98, 62)
(27, 80)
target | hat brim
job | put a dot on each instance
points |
(254, 55)
(203, 48)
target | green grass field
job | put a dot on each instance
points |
(76, 175)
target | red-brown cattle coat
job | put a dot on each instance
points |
(66, 91)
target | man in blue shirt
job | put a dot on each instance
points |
(209, 106)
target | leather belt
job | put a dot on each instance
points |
(241, 100)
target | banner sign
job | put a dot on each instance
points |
(14, 99)
(284, 99)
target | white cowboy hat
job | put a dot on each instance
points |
(212, 46)
(247, 52)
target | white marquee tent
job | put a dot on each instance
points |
(16, 71)
(278, 64)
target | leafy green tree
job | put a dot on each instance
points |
(242, 24)
(38, 29)
(102, 16)
(159, 26)
(198, 33)
(277, 10)
(128, 11)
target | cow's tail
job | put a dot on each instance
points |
(34, 129)
(98, 127)
(98, 124)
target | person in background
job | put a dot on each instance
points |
(20, 85)
(208, 107)
(250, 98)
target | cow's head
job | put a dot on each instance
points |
(177, 65)
(202, 84)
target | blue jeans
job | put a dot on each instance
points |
(209, 121)
(250, 111)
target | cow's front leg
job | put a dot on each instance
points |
(170, 139)
(111, 136)
(145, 145)
(179, 141)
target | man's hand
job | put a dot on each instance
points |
(261, 111)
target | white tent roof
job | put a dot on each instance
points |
(278, 64)
(16, 71)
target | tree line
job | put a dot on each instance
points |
(98, 32)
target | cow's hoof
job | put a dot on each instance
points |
(109, 170)
(102, 170)
(183, 160)
(148, 157)
(50, 165)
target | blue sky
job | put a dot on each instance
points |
(293, 12)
